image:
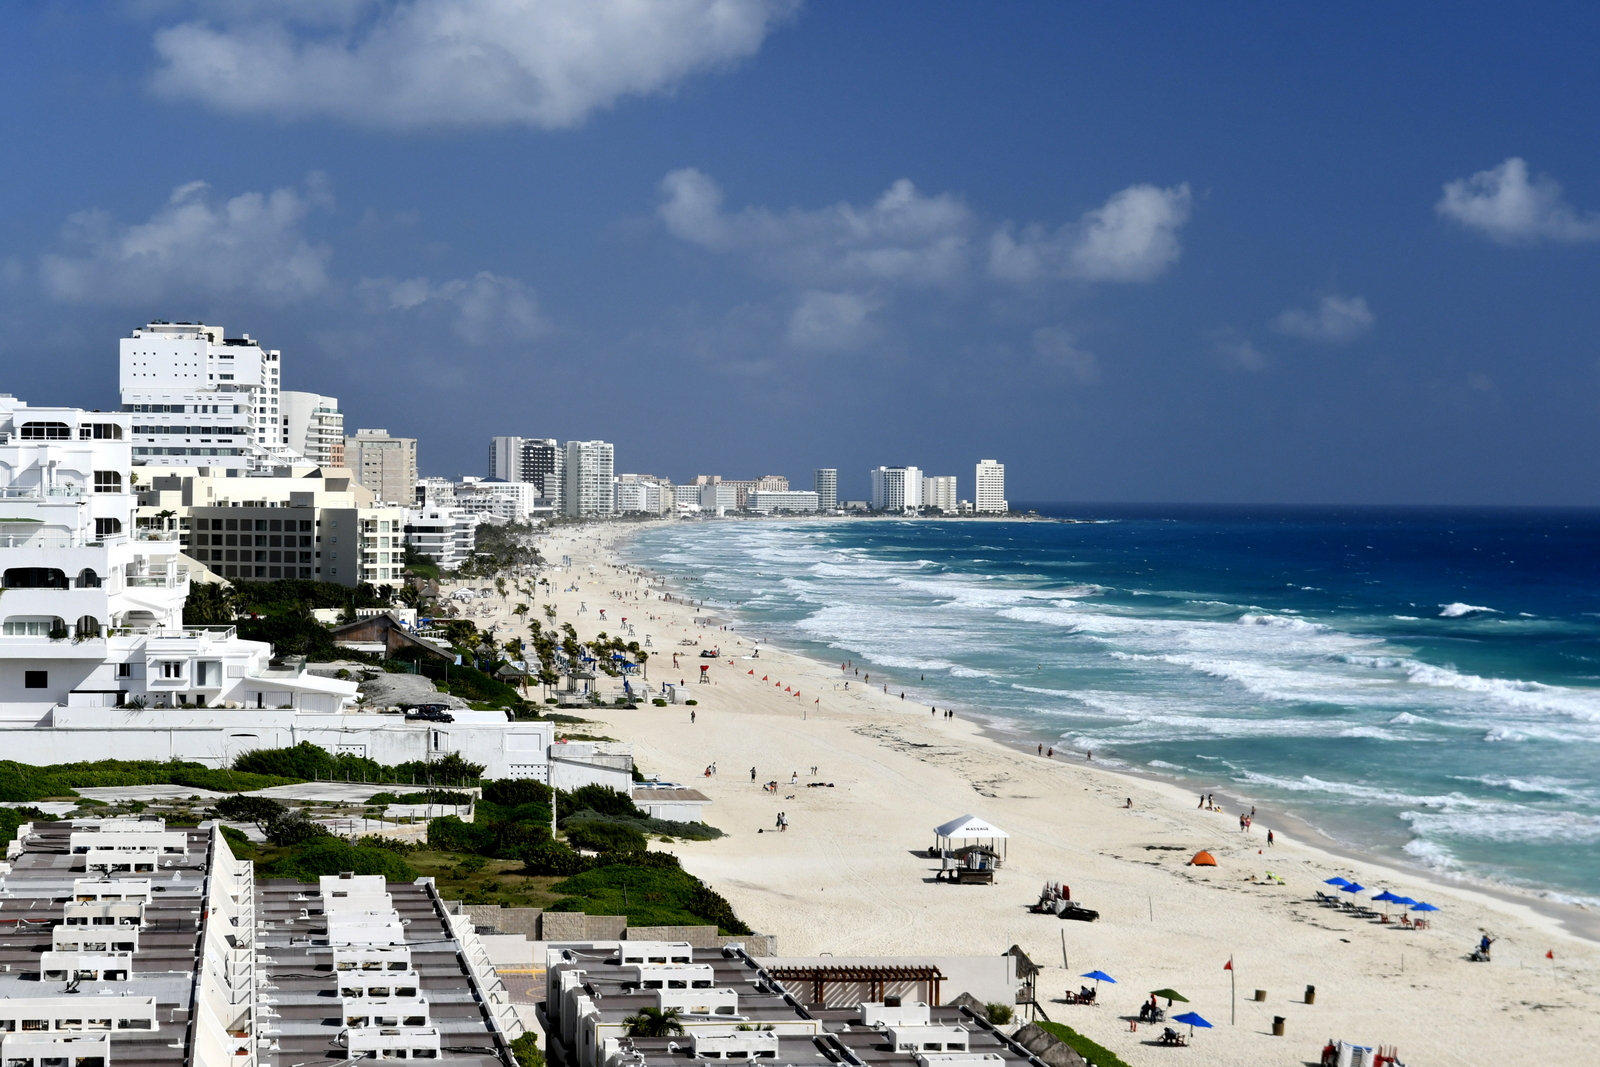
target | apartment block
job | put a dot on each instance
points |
(386, 465)
(939, 491)
(825, 480)
(314, 427)
(587, 485)
(896, 488)
(989, 493)
(201, 397)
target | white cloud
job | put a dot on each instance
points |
(252, 244)
(1055, 348)
(1511, 209)
(1336, 319)
(1133, 237)
(902, 237)
(830, 321)
(1237, 352)
(486, 307)
(408, 63)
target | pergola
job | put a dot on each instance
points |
(969, 828)
(876, 979)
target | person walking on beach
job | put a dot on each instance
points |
(691, 716)
(1041, 749)
(1269, 838)
(752, 774)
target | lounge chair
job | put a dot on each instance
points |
(1169, 1036)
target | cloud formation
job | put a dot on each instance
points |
(409, 63)
(1055, 348)
(486, 307)
(1337, 319)
(195, 245)
(824, 322)
(902, 237)
(906, 237)
(1132, 238)
(1508, 207)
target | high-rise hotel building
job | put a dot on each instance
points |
(989, 495)
(826, 483)
(200, 398)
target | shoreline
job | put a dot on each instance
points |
(1574, 918)
(850, 875)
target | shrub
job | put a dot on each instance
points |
(652, 890)
(295, 828)
(329, 855)
(600, 799)
(526, 1050)
(511, 792)
(605, 837)
(553, 859)
(383, 799)
(263, 811)
(691, 702)
(659, 702)
(999, 1014)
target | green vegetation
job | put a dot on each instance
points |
(307, 761)
(11, 818)
(501, 548)
(653, 1022)
(648, 896)
(321, 854)
(593, 805)
(426, 796)
(19, 781)
(526, 1050)
(1093, 1053)
(999, 1014)
(280, 612)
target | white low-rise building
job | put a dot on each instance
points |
(767, 501)
(447, 535)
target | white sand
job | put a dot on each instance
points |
(846, 877)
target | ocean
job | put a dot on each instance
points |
(1423, 685)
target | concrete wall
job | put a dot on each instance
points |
(537, 925)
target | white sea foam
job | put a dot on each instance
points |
(1458, 610)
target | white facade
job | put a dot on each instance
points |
(939, 491)
(826, 483)
(314, 427)
(201, 398)
(446, 534)
(92, 608)
(641, 495)
(896, 488)
(718, 495)
(989, 494)
(386, 465)
(498, 501)
(766, 502)
(505, 458)
(587, 486)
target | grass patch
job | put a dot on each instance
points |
(1091, 1051)
(478, 880)
(648, 896)
(21, 782)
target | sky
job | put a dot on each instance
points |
(1264, 253)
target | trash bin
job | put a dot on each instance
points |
(1311, 994)
(1261, 995)
(1277, 1026)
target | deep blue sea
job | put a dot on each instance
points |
(1418, 683)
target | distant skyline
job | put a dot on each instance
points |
(1250, 253)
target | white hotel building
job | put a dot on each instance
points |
(896, 488)
(989, 493)
(201, 399)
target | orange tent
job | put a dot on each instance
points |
(1203, 859)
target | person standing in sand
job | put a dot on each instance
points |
(1269, 838)
(752, 774)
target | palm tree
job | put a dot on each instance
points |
(520, 610)
(550, 612)
(653, 1022)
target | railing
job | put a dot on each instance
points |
(158, 581)
(23, 541)
(37, 492)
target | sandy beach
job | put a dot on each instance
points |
(848, 876)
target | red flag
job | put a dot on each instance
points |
(1228, 966)
(1550, 955)
(750, 672)
(763, 677)
(785, 689)
(797, 692)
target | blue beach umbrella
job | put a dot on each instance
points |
(1353, 887)
(1424, 907)
(1387, 896)
(1407, 901)
(1099, 976)
(1193, 1019)
(1335, 880)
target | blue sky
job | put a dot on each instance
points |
(1165, 252)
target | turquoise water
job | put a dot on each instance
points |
(1422, 684)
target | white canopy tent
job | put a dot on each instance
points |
(968, 828)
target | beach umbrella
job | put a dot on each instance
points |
(1193, 1018)
(1335, 880)
(1407, 901)
(1099, 976)
(1353, 887)
(1387, 896)
(1170, 995)
(1424, 907)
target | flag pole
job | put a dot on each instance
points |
(1233, 984)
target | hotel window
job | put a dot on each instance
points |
(171, 668)
(108, 481)
(46, 431)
